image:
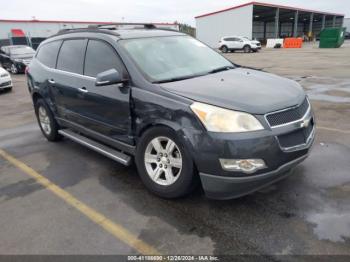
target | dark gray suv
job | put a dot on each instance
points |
(183, 112)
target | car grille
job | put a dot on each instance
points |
(288, 115)
(5, 83)
(296, 138)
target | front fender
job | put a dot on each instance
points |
(151, 109)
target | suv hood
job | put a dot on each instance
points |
(23, 56)
(241, 89)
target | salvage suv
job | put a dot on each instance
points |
(183, 112)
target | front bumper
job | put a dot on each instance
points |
(5, 83)
(233, 187)
(218, 183)
(256, 47)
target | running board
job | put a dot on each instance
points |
(100, 148)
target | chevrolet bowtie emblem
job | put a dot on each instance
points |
(305, 123)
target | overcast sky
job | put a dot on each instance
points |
(141, 10)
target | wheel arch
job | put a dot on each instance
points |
(36, 96)
(156, 123)
(224, 46)
(177, 128)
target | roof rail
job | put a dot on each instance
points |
(77, 30)
(114, 26)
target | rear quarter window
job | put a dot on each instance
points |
(47, 54)
(71, 56)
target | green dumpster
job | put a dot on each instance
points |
(332, 37)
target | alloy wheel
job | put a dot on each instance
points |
(44, 120)
(163, 161)
(14, 69)
(246, 49)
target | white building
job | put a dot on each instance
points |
(262, 21)
(347, 24)
(32, 32)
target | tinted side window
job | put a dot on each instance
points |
(47, 53)
(100, 57)
(71, 56)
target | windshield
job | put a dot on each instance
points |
(165, 59)
(24, 50)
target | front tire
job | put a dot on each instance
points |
(163, 163)
(246, 49)
(46, 121)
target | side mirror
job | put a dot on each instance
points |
(108, 77)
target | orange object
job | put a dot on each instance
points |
(292, 42)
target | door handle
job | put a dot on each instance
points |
(83, 89)
(51, 81)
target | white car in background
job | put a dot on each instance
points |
(233, 43)
(5, 80)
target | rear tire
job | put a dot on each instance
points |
(47, 123)
(164, 164)
(14, 69)
(224, 49)
(246, 49)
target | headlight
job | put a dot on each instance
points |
(216, 119)
(4, 75)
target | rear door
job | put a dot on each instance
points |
(68, 79)
(229, 42)
(106, 109)
(44, 76)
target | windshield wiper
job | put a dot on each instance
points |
(173, 79)
(220, 69)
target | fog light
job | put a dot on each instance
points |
(242, 165)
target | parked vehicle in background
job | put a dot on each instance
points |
(233, 43)
(347, 35)
(182, 111)
(5, 80)
(15, 58)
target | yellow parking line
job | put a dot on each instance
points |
(334, 129)
(115, 229)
